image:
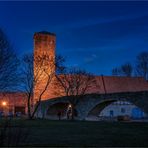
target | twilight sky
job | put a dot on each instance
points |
(95, 36)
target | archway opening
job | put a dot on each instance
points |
(58, 110)
(114, 110)
(94, 113)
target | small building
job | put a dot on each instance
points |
(13, 102)
(122, 108)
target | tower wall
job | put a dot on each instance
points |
(44, 43)
(44, 60)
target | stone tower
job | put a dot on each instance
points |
(44, 47)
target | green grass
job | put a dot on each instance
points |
(82, 133)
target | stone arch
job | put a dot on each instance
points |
(96, 107)
(99, 107)
(139, 99)
(54, 109)
(90, 101)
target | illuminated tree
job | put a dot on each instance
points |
(74, 83)
(31, 80)
(36, 70)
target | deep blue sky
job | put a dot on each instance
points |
(96, 36)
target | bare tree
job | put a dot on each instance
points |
(36, 71)
(37, 74)
(124, 70)
(116, 72)
(74, 84)
(8, 64)
(127, 69)
(142, 65)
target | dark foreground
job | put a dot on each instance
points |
(78, 133)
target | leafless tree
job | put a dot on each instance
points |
(8, 64)
(124, 70)
(142, 65)
(116, 72)
(37, 74)
(27, 80)
(74, 83)
(127, 69)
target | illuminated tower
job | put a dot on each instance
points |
(44, 48)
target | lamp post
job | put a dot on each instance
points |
(4, 105)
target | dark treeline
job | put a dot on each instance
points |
(9, 64)
(140, 68)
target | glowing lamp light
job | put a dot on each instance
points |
(69, 105)
(4, 103)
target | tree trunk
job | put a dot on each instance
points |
(73, 112)
(29, 110)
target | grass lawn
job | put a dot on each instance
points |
(85, 133)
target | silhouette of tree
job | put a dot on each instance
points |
(8, 64)
(124, 70)
(142, 65)
(116, 72)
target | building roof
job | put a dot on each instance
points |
(46, 33)
(113, 84)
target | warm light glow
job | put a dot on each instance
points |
(4, 103)
(69, 106)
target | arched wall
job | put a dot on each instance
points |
(99, 107)
(90, 101)
(56, 108)
(85, 106)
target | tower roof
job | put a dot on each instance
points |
(46, 33)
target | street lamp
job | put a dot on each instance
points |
(69, 106)
(4, 103)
